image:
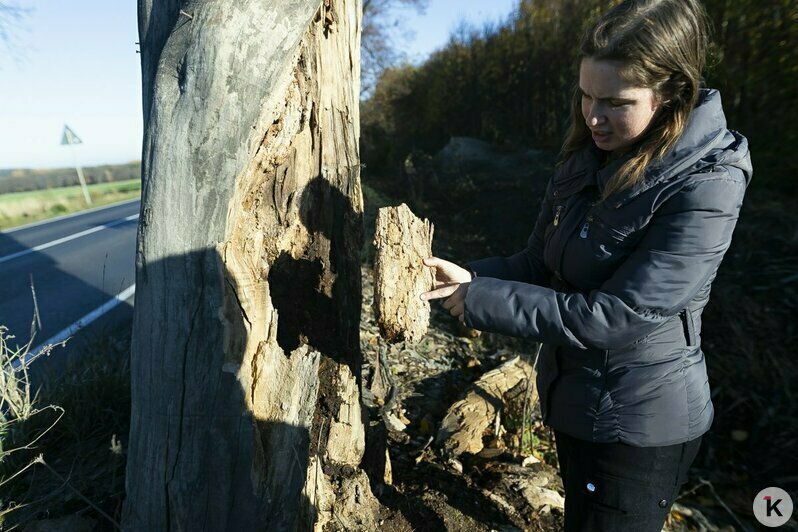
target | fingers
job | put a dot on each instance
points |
(438, 293)
(446, 271)
(457, 309)
(440, 275)
(455, 304)
(440, 264)
(455, 298)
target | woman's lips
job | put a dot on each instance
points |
(600, 135)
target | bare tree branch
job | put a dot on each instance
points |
(12, 17)
(381, 24)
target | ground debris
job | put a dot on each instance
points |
(415, 385)
(469, 419)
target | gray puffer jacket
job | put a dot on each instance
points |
(616, 291)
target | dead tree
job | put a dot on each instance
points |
(245, 359)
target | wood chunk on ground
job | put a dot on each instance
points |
(403, 241)
(469, 419)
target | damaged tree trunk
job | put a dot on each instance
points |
(245, 362)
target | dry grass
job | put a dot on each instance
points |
(66, 459)
(19, 413)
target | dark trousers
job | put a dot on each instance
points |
(613, 487)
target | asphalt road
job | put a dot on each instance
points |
(80, 267)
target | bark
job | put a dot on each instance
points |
(246, 411)
(402, 241)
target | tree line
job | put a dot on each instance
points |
(510, 82)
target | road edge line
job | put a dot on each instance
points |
(68, 238)
(70, 331)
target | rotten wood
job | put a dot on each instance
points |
(402, 242)
(470, 419)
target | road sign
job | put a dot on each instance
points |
(69, 137)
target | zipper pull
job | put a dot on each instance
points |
(557, 215)
(583, 233)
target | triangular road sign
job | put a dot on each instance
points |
(69, 137)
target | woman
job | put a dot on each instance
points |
(615, 276)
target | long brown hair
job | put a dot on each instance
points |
(662, 46)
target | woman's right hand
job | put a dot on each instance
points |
(447, 272)
(448, 276)
(451, 282)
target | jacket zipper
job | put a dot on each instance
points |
(557, 215)
(586, 227)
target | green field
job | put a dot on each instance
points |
(20, 208)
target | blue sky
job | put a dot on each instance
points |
(75, 62)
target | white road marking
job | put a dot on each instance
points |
(52, 243)
(70, 331)
(65, 216)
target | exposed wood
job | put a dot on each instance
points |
(246, 408)
(403, 241)
(471, 418)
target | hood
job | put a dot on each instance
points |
(705, 142)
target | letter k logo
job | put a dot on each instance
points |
(772, 506)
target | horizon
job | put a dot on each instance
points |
(5, 171)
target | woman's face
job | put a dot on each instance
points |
(617, 112)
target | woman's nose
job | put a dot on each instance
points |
(595, 118)
(593, 114)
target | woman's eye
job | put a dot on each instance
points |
(617, 104)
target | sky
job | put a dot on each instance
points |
(74, 62)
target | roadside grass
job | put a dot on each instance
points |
(20, 208)
(65, 460)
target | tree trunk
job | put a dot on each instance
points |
(245, 361)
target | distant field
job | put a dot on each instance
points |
(20, 208)
(29, 179)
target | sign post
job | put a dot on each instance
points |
(69, 138)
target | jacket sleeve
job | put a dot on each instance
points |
(526, 265)
(684, 244)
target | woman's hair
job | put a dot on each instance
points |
(661, 45)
